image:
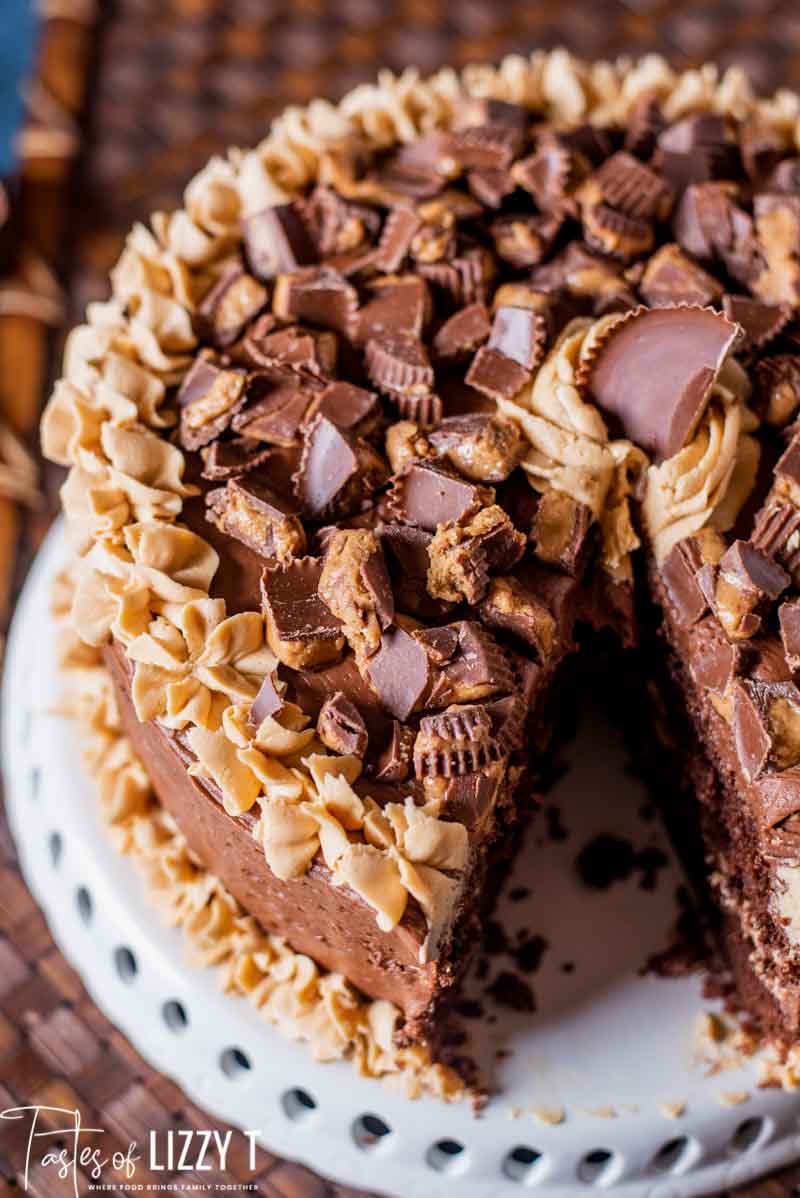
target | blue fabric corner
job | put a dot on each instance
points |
(17, 42)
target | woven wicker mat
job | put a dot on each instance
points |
(171, 82)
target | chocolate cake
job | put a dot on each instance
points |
(404, 408)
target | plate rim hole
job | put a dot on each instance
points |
(523, 1163)
(370, 1131)
(447, 1156)
(599, 1167)
(675, 1155)
(175, 1016)
(298, 1105)
(750, 1134)
(125, 964)
(234, 1062)
(85, 904)
(55, 847)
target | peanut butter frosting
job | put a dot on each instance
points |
(145, 577)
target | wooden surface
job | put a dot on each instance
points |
(172, 81)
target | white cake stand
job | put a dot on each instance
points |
(610, 1047)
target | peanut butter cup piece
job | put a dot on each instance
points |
(398, 365)
(427, 496)
(228, 307)
(398, 304)
(341, 727)
(747, 582)
(268, 702)
(298, 347)
(337, 472)
(319, 296)
(229, 459)
(302, 631)
(654, 372)
(560, 531)
(399, 672)
(252, 513)
(459, 740)
(513, 607)
(278, 402)
(761, 322)
(777, 534)
(355, 585)
(766, 726)
(462, 333)
(481, 446)
(209, 397)
(277, 241)
(671, 277)
(398, 232)
(496, 375)
(789, 622)
(776, 388)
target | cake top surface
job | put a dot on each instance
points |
(375, 420)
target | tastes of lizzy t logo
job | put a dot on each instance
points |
(58, 1141)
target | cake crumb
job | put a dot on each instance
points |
(603, 1112)
(550, 1115)
(710, 1028)
(733, 1097)
(514, 1112)
(672, 1110)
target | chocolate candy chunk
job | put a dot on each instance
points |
(400, 304)
(459, 740)
(348, 407)
(395, 243)
(228, 459)
(615, 233)
(789, 621)
(399, 365)
(496, 375)
(302, 349)
(776, 388)
(301, 630)
(785, 177)
(682, 573)
(421, 167)
(524, 240)
(655, 370)
(277, 241)
(249, 511)
(463, 555)
(519, 334)
(337, 471)
(695, 149)
(630, 187)
(467, 664)
(278, 401)
(399, 672)
(671, 277)
(747, 582)
(341, 727)
(337, 226)
(427, 496)
(232, 302)
(208, 399)
(777, 221)
(766, 660)
(760, 147)
(715, 663)
(560, 531)
(394, 761)
(486, 147)
(318, 295)
(709, 224)
(787, 472)
(268, 702)
(513, 607)
(644, 123)
(551, 174)
(584, 274)
(356, 587)
(766, 726)
(761, 322)
(480, 446)
(491, 186)
(407, 553)
(462, 280)
(482, 110)
(462, 333)
(777, 534)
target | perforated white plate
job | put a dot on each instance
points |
(603, 1039)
